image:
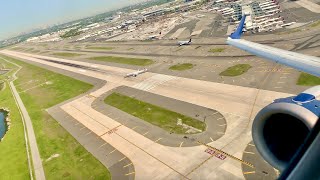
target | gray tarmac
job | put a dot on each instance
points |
(261, 170)
(263, 74)
(111, 158)
(188, 25)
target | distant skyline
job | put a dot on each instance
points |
(18, 16)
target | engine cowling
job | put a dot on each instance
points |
(281, 127)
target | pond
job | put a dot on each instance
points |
(3, 124)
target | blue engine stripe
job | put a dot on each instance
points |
(311, 105)
(303, 98)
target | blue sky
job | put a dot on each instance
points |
(18, 16)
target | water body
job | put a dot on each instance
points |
(3, 126)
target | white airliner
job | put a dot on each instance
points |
(270, 7)
(273, 12)
(181, 43)
(288, 24)
(136, 73)
(155, 36)
(266, 3)
(273, 128)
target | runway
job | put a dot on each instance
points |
(217, 57)
(152, 160)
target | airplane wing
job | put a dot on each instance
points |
(305, 63)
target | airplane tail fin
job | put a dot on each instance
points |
(238, 32)
(190, 40)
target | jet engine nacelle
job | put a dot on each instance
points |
(280, 128)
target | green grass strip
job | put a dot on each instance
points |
(236, 70)
(153, 114)
(123, 60)
(100, 48)
(13, 155)
(182, 67)
(306, 79)
(64, 54)
(216, 50)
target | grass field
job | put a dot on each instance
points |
(123, 60)
(71, 33)
(182, 67)
(35, 51)
(17, 48)
(13, 155)
(216, 50)
(101, 48)
(14, 163)
(29, 49)
(236, 70)
(308, 80)
(289, 31)
(74, 161)
(315, 24)
(65, 54)
(155, 115)
(147, 40)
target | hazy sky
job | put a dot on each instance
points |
(18, 16)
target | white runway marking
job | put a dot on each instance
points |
(153, 82)
(127, 165)
(248, 152)
(211, 139)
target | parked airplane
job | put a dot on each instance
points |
(270, 7)
(155, 37)
(288, 24)
(273, 12)
(136, 73)
(227, 13)
(181, 43)
(268, 3)
(287, 132)
(218, 1)
(270, 21)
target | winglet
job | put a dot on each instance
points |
(238, 32)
